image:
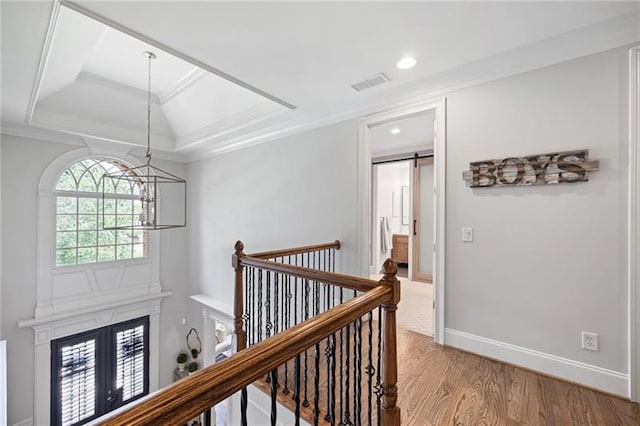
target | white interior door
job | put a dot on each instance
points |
(422, 258)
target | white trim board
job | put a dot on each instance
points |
(3, 382)
(363, 235)
(592, 376)
(634, 224)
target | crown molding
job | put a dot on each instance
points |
(181, 85)
(44, 58)
(40, 133)
(85, 76)
(218, 129)
(48, 134)
(564, 47)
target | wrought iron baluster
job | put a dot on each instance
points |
(287, 320)
(252, 301)
(333, 264)
(341, 393)
(378, 370)
(307, 290)
(243, 407)
(247, 306)
(316, 385)
(370, 370)
(327, 287)
(296, 389)
(259, 306)
(207, 417)
(274, 397)
(267, 308)
(276, 307)
(346, 420)
(276, 304)
(316, 372)
(332, 359)
(358, 379)
(267, 305)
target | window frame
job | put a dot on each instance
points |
(78, 195)
(106, 364)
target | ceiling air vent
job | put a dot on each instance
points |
(374, 80)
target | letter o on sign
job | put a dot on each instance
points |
(513, 167)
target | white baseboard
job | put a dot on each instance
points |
(606, 380)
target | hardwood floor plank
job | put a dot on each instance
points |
(444, 386)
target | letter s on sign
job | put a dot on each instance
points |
(571, 169)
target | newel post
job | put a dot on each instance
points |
(238, 305)
(390, 412)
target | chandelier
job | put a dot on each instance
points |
(147, 183)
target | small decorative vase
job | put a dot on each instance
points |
(181, 366)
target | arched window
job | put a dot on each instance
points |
(80, 237)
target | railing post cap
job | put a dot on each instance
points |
(389, 267)
(239, 247)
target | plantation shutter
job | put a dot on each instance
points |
(98, 371)
(131, 365)
(77, 380)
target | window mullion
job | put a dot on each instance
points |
(115, 245)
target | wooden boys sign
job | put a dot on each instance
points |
(542, 169)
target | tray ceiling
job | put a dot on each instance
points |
(96, 85)
(228, 74)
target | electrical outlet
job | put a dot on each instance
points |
(589, 341)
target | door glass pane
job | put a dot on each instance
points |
(78, 382)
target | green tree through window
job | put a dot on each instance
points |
(80, 237)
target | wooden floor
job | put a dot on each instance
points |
(444, 386)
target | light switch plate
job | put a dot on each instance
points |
(467, 235)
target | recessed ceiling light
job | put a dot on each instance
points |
(394, 131)
(406, 63)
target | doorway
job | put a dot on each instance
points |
(402, 212)
(368, 225)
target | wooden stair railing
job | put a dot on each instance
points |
(182, 401)
(266, 284)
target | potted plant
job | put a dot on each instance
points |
(192, 367)
(182, 361)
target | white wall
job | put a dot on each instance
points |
(173, 276)
(390, 177)
(23, 161)
(547, 261)
(295, 191)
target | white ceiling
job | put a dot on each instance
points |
(416, 134)
(305, 54)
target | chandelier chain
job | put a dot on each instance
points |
(148, 155)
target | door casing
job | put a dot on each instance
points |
(364, 222)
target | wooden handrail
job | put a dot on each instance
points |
(296, 250)
(342, 280)
(192, 395)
